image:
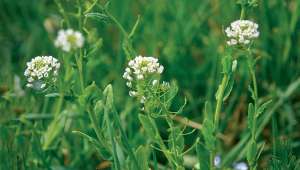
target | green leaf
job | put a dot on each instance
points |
(99, 112)
(176, 140)
(108, 97)
(102, 150)
(228, 88)
(261, 148)
(208, 127)
(252, 93)
(90, 93)
(53, 131)
(142, 155)
(250, 115)
(251, 153)
(203, 156)
(171, 93)
(149, 126)
(226, 63)
(208, 113)
(134, 27)
(208, 134)
(262, 107)
(97, 15)
(52, 95)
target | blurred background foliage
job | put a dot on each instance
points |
(187, 37)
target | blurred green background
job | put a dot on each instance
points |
(187, 37)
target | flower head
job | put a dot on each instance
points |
(241, 32)
(69, 39)
(142, 69)
(41, 70)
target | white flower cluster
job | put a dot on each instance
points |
(41, 70)
(140, 68)
(241, 32)
(69, 39)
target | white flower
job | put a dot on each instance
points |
(143, 99)
(141, 66)
(240, 166)
(241, 32)
(40, 71)
(69, 39)
(141, 69)
(154, 82)
(132, 93)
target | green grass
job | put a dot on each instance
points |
(81, 125)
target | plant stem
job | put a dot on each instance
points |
(126, 142)
(243, 11)
(62, 11)
(80, 71)
(59, 104)
(220, 96)
(113, 142)
(96, 127)
(255, 98)
(160, 142)
(211, 160)
(220, 100)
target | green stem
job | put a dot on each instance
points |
(161, 143)
(211, 160)
(220, 96)
(113, 142)
(255, 93)
(173, 149)
(62, 11)
(220, 100)
(80, 71)
(96, 127)
(59, 104)
(126, 141)
(117, 23)
(243, 12)
(127, 46)
(45, 105)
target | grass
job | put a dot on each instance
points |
(83, 122)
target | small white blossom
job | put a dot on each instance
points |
(143, 99)
(141, 66)
(154, 82)
(240, 166)
(141, 69)
(241, 32)
(69, 39)
(40, 70)
(132, 93)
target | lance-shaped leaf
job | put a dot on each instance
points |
(250, 116)
(149, 126)
(251, 152)
(176, 139)
(203, 156)
(229, 86)
(263, 107)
